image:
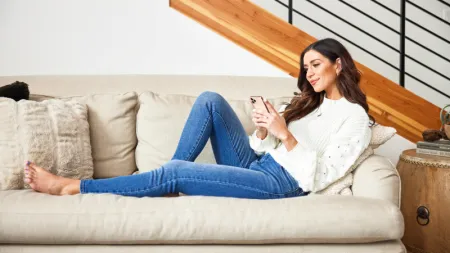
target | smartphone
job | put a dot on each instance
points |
(258, 103)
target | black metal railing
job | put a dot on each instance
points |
(402, 34)
(402, 42)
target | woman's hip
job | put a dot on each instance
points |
(284, 181)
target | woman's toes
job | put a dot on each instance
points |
(29, 169)
(30, 165)
(34, 167)
(29, 175)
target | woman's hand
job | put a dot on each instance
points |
(271, 121)
(262, 131)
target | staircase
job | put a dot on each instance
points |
(280, 43)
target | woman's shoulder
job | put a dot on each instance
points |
(354, 110)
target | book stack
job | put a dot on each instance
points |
(438, 148)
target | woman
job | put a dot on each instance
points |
(319, 135)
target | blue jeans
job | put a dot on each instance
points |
(239, 172)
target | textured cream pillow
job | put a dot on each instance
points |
(380, 135)
(160, 121)
(343, 185)
(112, 122)
(54, 134)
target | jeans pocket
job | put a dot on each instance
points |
(263, 158)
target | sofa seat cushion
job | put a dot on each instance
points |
(27, 217)
(384, 247)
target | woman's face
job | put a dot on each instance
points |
(320, 72)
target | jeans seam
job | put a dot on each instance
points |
(229, 137)
(198, 139)
(82, 187)
(194, 179)
(265, 157)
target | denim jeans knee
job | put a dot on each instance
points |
(207, 97)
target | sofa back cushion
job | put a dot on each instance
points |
(53, 134)
(112, 121)
(160, 121)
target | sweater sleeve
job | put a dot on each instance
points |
(316, 171)
(270, 142)
(261, 146)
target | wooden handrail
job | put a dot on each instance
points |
(280, 43)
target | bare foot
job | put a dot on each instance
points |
(43, 181)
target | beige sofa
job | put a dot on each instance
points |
(369, 221)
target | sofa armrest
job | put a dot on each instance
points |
(377, 177)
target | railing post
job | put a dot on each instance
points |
(290, 11)
(402, 41)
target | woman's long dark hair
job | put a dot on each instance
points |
(347, 82)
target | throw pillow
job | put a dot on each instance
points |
(160, 121)
(381, 134)
(112, 122)
(53, 134)
(343, 185)
(17, 91)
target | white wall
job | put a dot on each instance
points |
(52, 37)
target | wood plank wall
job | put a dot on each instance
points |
(280, 43)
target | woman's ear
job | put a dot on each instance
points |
(338, 66)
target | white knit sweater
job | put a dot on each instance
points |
(330, 140)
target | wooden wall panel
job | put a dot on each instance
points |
(280, 43)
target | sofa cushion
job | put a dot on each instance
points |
(380, 135)
(394, 246)
(161, 119)
(54, 134)
(28, 217)
(112, 121)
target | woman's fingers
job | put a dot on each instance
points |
(257, 122)
(261, 125)
(259, 111)
(260, 114)
(271, 108)
(260, 118)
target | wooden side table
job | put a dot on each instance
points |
(425, 202)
